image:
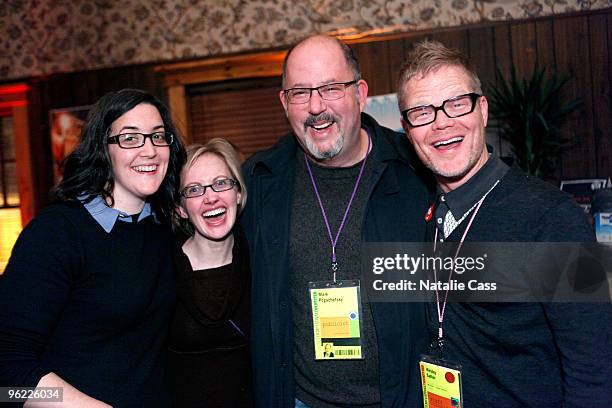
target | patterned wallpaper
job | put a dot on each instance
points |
(47, 36)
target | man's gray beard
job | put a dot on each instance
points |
(329, 154)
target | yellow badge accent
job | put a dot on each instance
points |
(336, 321)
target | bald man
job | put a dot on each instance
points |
(339, 179)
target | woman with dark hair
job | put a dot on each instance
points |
(208, 360)
(88, 292)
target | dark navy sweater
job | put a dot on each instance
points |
(90, 306)
(529, 354)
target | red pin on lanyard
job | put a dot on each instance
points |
(430, 211)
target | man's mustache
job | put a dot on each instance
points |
(321, 117)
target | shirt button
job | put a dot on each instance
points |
(442, 198)
(439, 220)
(441, 240)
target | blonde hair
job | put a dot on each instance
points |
(428, 56)
(230, 156)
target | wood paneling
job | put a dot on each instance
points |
(482, 55)
(503, 49)
(252, 118)
(578, 45)
(177, 99)
(605, 139)
(374, 57)
(453, 38)
(600, 39)
(258, 65)
(545, 43)
(523, 38)
(24, 163)
(573, 59)
(396, 57)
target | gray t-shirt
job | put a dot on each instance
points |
(329, 383)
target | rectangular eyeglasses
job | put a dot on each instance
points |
(136, 140)
(197, 190)
(328, 92)
(453, 108)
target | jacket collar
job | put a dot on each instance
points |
(396, 149)
(277, 158)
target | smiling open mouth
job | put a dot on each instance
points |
(449, 142)
(322, 126)
(319, 122)
(214, 213)
(145, 169)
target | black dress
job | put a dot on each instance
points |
(208, 345)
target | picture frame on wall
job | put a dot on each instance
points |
(65, 127)
(385, 110)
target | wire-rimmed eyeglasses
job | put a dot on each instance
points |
(134, 140)
(197, 190)
(453, 108)
(328, 92)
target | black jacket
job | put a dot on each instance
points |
(397, 201)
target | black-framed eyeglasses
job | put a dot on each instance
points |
(197, 190)
(328, 92)
(135, 140)
(453, 108)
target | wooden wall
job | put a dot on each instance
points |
(579, 45)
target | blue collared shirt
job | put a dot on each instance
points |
(107, 216)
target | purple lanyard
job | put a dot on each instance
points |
(334, 241)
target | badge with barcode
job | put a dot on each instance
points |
(336, 320)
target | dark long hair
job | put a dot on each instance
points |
(88, 170)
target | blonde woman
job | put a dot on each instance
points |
(209, 361)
